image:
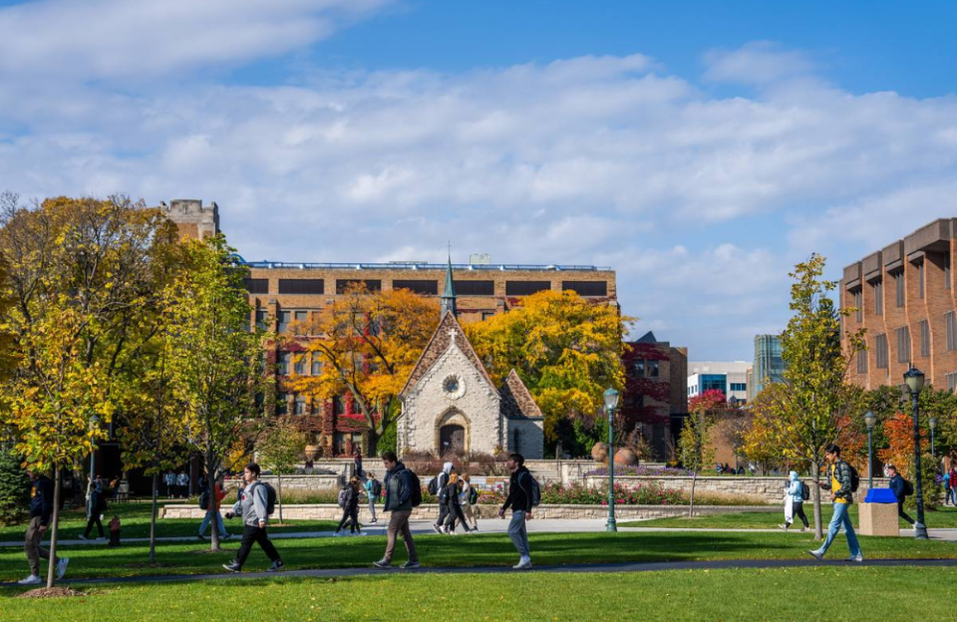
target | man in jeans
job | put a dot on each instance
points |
(252, 506)
(520, 501)
(897, 485)
(41, 510)
(839, 483)
(398, 500)
(216, 496)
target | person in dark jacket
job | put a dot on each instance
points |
(398, 501)
(41, 512)
(95, 506)
(898, 486)
(452, 499)
(350, 513)
(520, 502)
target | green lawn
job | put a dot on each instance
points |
(472, 550)
(135, 518)
(823, 593)
(945, 517)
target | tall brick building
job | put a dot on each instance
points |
(904, 294)
(284, 293)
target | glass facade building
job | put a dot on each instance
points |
(768, 363)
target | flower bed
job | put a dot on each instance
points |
(641, 471)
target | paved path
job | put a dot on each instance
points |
(424, 527)
(601, 568)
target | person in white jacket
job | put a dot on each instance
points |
(794, 503)
(466, 506)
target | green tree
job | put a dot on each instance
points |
(280, 449)
(695, 443)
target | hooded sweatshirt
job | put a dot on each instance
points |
(443, 481)
(794, 489)
(252, 504)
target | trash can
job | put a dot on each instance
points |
(878, 513)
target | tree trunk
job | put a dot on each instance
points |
(694, 479)
(279, 495)
(818, 531)
(57, 491)
(372, 443)
(153, 518)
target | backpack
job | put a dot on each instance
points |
(376, 489)
(204, 500)
(434, 486)
(473, 496)
(270, 497)
(343, 496)
(535, 492)
(416, 497)
(855, 478)
(908, 488)
(805, 492)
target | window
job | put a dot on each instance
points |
(638, 401)
(924, 338)
(487, 314)
(526, 288)
(880, 346)
(586, 288)
(652, 367)
(951, 382)
(425, 288)
(339, 405)
(285, 317)
(257, 286)
(302, 286)
(739, 386)
(262, 319)
(859, 305)
(339, 443)
(282, 403)
(316, 366)
(862, 362)
(299, 406)
(920, 278)
(899, 284)
(284, 363)
(640, 368)
(879, 298)
(300, 365)
(475, 288)
(903, 344)
(714, 382)
(373, 285)
(951, 323)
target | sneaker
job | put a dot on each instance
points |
(363, 533)
(233, 567)
(382, 563)
(201, 538)
(31, 580)
(783, 527)
(337, 534)
(523, 564)
(276, 565)
(61, 567)
(856, 558)
(817, 555)
(226, 536)
(803, 529)
(410, 565)
(437, 529)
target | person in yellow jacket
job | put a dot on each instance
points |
(839, 482)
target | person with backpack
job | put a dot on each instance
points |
(437, 488)
(256, 501)
(182, 485)
(349, 502)
(41, 511)
(467, 498)
(373, 488)
(902, 489)
(210, 501)
(797, 494)
(95, 506)
(402, 493)
(521, 501)
(842, 483)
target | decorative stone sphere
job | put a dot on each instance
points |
(626, 457)
(599, 452)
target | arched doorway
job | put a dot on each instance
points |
(451, 439)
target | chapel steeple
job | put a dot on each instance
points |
(448, 296)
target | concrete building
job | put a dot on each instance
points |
(655, 399)
(731, 378)
(768, 364)
(904, 296)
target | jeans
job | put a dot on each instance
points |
(841, 517)
(372, 508)
(443, 514)
(399, 524)
(251, 535)
(951, 496)
(219, 523)
(518, 534)
(33, 548)
(350, 516)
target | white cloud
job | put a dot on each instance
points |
(758, 62)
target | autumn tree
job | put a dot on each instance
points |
(216, 361)
(695, 443)
(815, 403)
(280, 449)
(368, 342)
(566, 349)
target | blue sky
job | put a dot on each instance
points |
(699, 148)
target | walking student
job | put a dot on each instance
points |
(41, 510)
(952, 495)
(398, 500)
(901, 490)
(214, 500)
(794, 503)
(170, 479)
(441, 482)
(373, 488)
(350, 510)
(252, 506)
(182, 484)
(520, 502)
(467, 498)
(95, 507)
(840, 485)
(453, 501)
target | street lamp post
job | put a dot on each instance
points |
(94, 421)
(914, 378)
(933, 454)
(870, 420)
(611, 402)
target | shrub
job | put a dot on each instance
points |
(14, 489)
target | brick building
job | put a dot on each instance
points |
(655, 396)
(284, 293)
(905, 299)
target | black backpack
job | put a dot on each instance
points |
(534, 491)
(434, 486)
(855, 478)
(376, 489)
(416, 497)
(908, 488)
(270, 497)
(204, 500)
(805, 492)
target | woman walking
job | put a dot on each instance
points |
(350, 508)
(452, 491)
(467, 498)
(373, 492)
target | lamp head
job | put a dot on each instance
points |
(611, 399)
(933, 422)
(870, 419)
(914, 379)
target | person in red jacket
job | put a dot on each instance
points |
(212, 512)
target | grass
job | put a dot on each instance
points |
(945, 517)
(820, 593)
(135, 518)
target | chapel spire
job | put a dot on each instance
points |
(448, 295)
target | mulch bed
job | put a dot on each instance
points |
(52, 592)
